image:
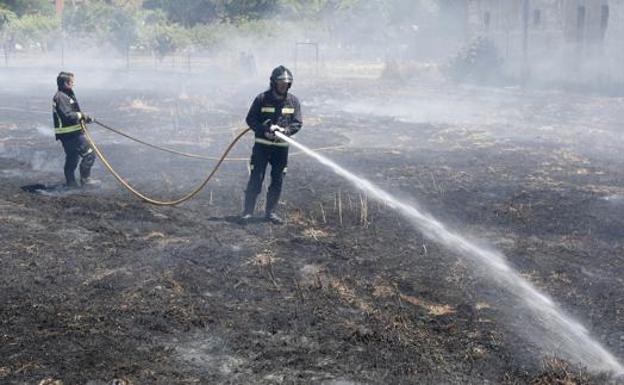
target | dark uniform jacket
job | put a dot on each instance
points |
(267, 110)
(66, 114)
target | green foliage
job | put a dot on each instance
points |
(193, 12)
(479, 62)
(167, 26)
(121, 29)
(6, 18)
(78, 21)
(254, 28)
(211, 35)
(6, 21)
(185, 12)
(317, 8)
(35, 30)
(206, 35)
(127, 5)
(150, 17)
(164, 39)
(25, 7)
(248, 9)
(107, 24)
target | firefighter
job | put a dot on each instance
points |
(67, 118)
(273, 110)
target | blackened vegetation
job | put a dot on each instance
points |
(479, 62)
(95, 285)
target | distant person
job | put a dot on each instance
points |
(247, 63)
(67, 118)
(272, 110)
(251, 64)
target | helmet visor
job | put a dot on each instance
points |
(285, 77)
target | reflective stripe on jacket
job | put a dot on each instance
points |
(67, 130)
(267, 110)
(270, 142)
(66, 113)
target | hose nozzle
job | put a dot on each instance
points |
(276, 128)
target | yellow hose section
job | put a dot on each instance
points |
(169, 150)
(156, 201)
(195, 156)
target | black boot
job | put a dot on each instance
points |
(271, 203)
(250, 203)
(248, 210)
(274, 218)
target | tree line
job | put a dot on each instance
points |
(166, 26)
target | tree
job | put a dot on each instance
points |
(23, 7)
(6, 19)
(165, 38)
(185, 12)
(192, 12)
(317, 8)
(118, 27)
(35, 30)
(79, 21)
(247, 9)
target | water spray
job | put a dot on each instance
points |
(568, 336)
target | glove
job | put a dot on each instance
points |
(269, 135)
(86, 118)
(275, 127)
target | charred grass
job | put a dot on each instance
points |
(97, 286)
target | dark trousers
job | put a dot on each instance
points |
(261, 156)
(77, 147)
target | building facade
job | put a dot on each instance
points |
(553, 38)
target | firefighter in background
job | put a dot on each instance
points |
(67, 118)
(273, 110)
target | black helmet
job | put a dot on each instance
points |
(281, 73)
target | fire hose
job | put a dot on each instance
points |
(165, 149)
(184, 198)
(142, 196)
(189, 155)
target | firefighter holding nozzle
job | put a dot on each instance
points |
(67, 119)
(273, 110)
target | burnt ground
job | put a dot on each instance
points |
(96, 285)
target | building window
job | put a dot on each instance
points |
(537, 17)
(580, 23)
(604, 20)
